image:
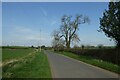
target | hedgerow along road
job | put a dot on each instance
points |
(65, 67)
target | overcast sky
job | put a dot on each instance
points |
(22, 22)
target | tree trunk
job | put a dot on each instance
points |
(118, 44)
(68, 44)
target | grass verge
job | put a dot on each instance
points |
(95, 62)
(34, 66)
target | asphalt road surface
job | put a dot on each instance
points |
(65, 67)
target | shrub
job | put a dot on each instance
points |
(109, 55)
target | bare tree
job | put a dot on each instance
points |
(69, 27)
(57, 42)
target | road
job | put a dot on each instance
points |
(65, 67)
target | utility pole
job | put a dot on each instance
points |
(40, 41)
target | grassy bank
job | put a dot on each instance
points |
(96, 62)
(34, 66)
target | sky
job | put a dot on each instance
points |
(0, 23)
(57, 0)
(32, 23)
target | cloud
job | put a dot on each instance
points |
(24, 35)
(44, 12)
(22, 29)
(29, 34)
(53, 22)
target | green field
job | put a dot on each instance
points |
(8, 54)
(0, 54)
(31, 64)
